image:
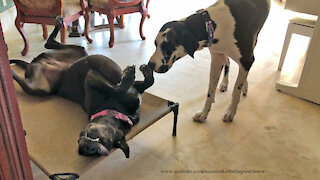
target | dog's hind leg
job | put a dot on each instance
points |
(19, 62)
(238, 87)
(225, 80)
(217, 62)
(108, 68)
(33, 87)
(148, 81)
(95, 79)
(245, 88)
(51, 42)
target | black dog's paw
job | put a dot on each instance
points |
(146, 70)
(129, 73)
(59, 20)
(51, 44)
(129, 70)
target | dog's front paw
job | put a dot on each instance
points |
(129, 73)
(200, 116)
(228, 116)
(146, 70)
(130, 70)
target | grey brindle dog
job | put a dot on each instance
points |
(229, 28)
(110, 96)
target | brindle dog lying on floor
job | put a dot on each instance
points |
(110, 97)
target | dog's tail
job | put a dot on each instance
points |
(19, 62)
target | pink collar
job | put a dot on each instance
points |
(112, 113)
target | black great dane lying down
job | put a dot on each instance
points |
(110, 97)
(228, 28)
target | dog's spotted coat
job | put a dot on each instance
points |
(237, 25)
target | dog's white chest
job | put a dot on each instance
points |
(224, 32)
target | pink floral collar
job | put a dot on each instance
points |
(112, 113)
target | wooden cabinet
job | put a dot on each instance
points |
(308, 84)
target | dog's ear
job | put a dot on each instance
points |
(189, 43)
(123, 145)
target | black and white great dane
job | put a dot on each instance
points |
(229, 28)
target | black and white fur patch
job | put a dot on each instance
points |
(237, 24)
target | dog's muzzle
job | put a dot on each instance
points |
(89, 146)
(161, 69)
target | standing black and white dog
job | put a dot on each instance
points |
(228, 28)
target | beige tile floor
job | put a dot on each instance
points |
(272, 132)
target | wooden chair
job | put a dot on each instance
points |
(45, 12)
(117, 8)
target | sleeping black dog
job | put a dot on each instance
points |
(110, 97)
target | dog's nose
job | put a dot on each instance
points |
(163, 69)
(152, 65)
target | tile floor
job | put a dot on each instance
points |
(273, 133)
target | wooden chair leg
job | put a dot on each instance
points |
(19, 26)
(63, 33)
(110, 19)
(148, 15)
(45, 31)
(87, 14)
(75, 29)
(120, 21)
(144, 14)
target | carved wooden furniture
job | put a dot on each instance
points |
(14, 158)
(114, 8)
(45, 12)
